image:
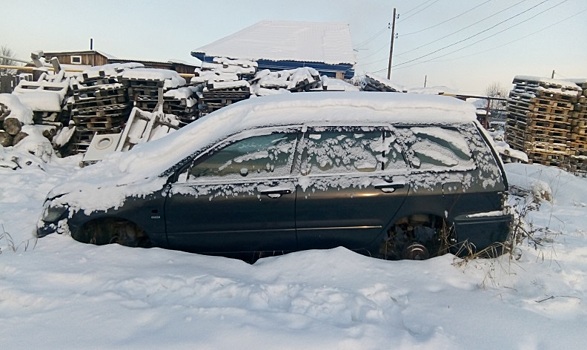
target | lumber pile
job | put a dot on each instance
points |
(222, 82)
(546, 119)
(372, 82)
(183, 103)
(100, 105)
(578, 143)
(10, 128)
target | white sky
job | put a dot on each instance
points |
(530, 43)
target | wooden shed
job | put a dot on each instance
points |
(98, 58)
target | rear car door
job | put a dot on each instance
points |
(352, 181)
(238, 197)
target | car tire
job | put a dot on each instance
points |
(106, 231)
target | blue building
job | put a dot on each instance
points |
(282, 45)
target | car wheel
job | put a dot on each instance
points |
(417, 237)
(106, 231)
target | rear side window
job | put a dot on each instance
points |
(349, 150)
(436, 147)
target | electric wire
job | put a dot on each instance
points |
(501, 31)
(521, 38)
(418, 6)
(412, 15)
(444, 37)
(375, 36)
(448, 20)
(475, 35)
(460, 30)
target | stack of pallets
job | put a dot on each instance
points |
(145, 93)
(578, 142)
(215, 95)
(100, 104)
(540, 117)
(183, 103)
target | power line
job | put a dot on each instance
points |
(474, 35)
(501, 31)
(516, 40)
(462, 29)
(448, 20)
(418, 6)
(385, 46)
(372, 37)
(412, 15)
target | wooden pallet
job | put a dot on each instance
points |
(533, 123)
(579, 138)
(548, 147)
(552, 132)
(571, 98)
(547, 158)
(552, 103)
(549, 117)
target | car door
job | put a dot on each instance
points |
(353, 180)
(238, 197)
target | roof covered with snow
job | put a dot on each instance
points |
(287, 41)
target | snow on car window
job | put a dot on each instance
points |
(336, 150)
(450, 153)
(437, 147)
(253, 156)
(351, 149)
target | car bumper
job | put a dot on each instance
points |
(483, 230)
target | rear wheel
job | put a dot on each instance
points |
(417, 237)
(106, 231)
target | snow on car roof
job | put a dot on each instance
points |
(147, 161)
(303, 108)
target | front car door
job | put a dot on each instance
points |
(238, 197)
(353, 180)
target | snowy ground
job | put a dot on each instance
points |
(59, 294)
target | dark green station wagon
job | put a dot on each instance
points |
(385, 174)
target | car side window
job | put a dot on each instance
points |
(435, 147)
(256, 156)
(349, 150)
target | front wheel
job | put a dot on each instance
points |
(106, 231)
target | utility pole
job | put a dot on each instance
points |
(552, 76)
(391, 44)
(425, 80)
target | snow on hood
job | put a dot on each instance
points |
(18, 110)
(138, 171)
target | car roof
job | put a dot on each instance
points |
(328, 108)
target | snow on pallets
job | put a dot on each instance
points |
(215, 95)
(547, 119)
(100, 105)
(154, 88)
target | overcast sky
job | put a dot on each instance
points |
(465, 45)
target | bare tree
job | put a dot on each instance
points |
(5, 59)
(495, 89)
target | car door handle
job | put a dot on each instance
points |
(275, 192)
(389, 187)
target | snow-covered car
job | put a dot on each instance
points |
(386, 174)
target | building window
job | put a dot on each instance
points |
(76, 59)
